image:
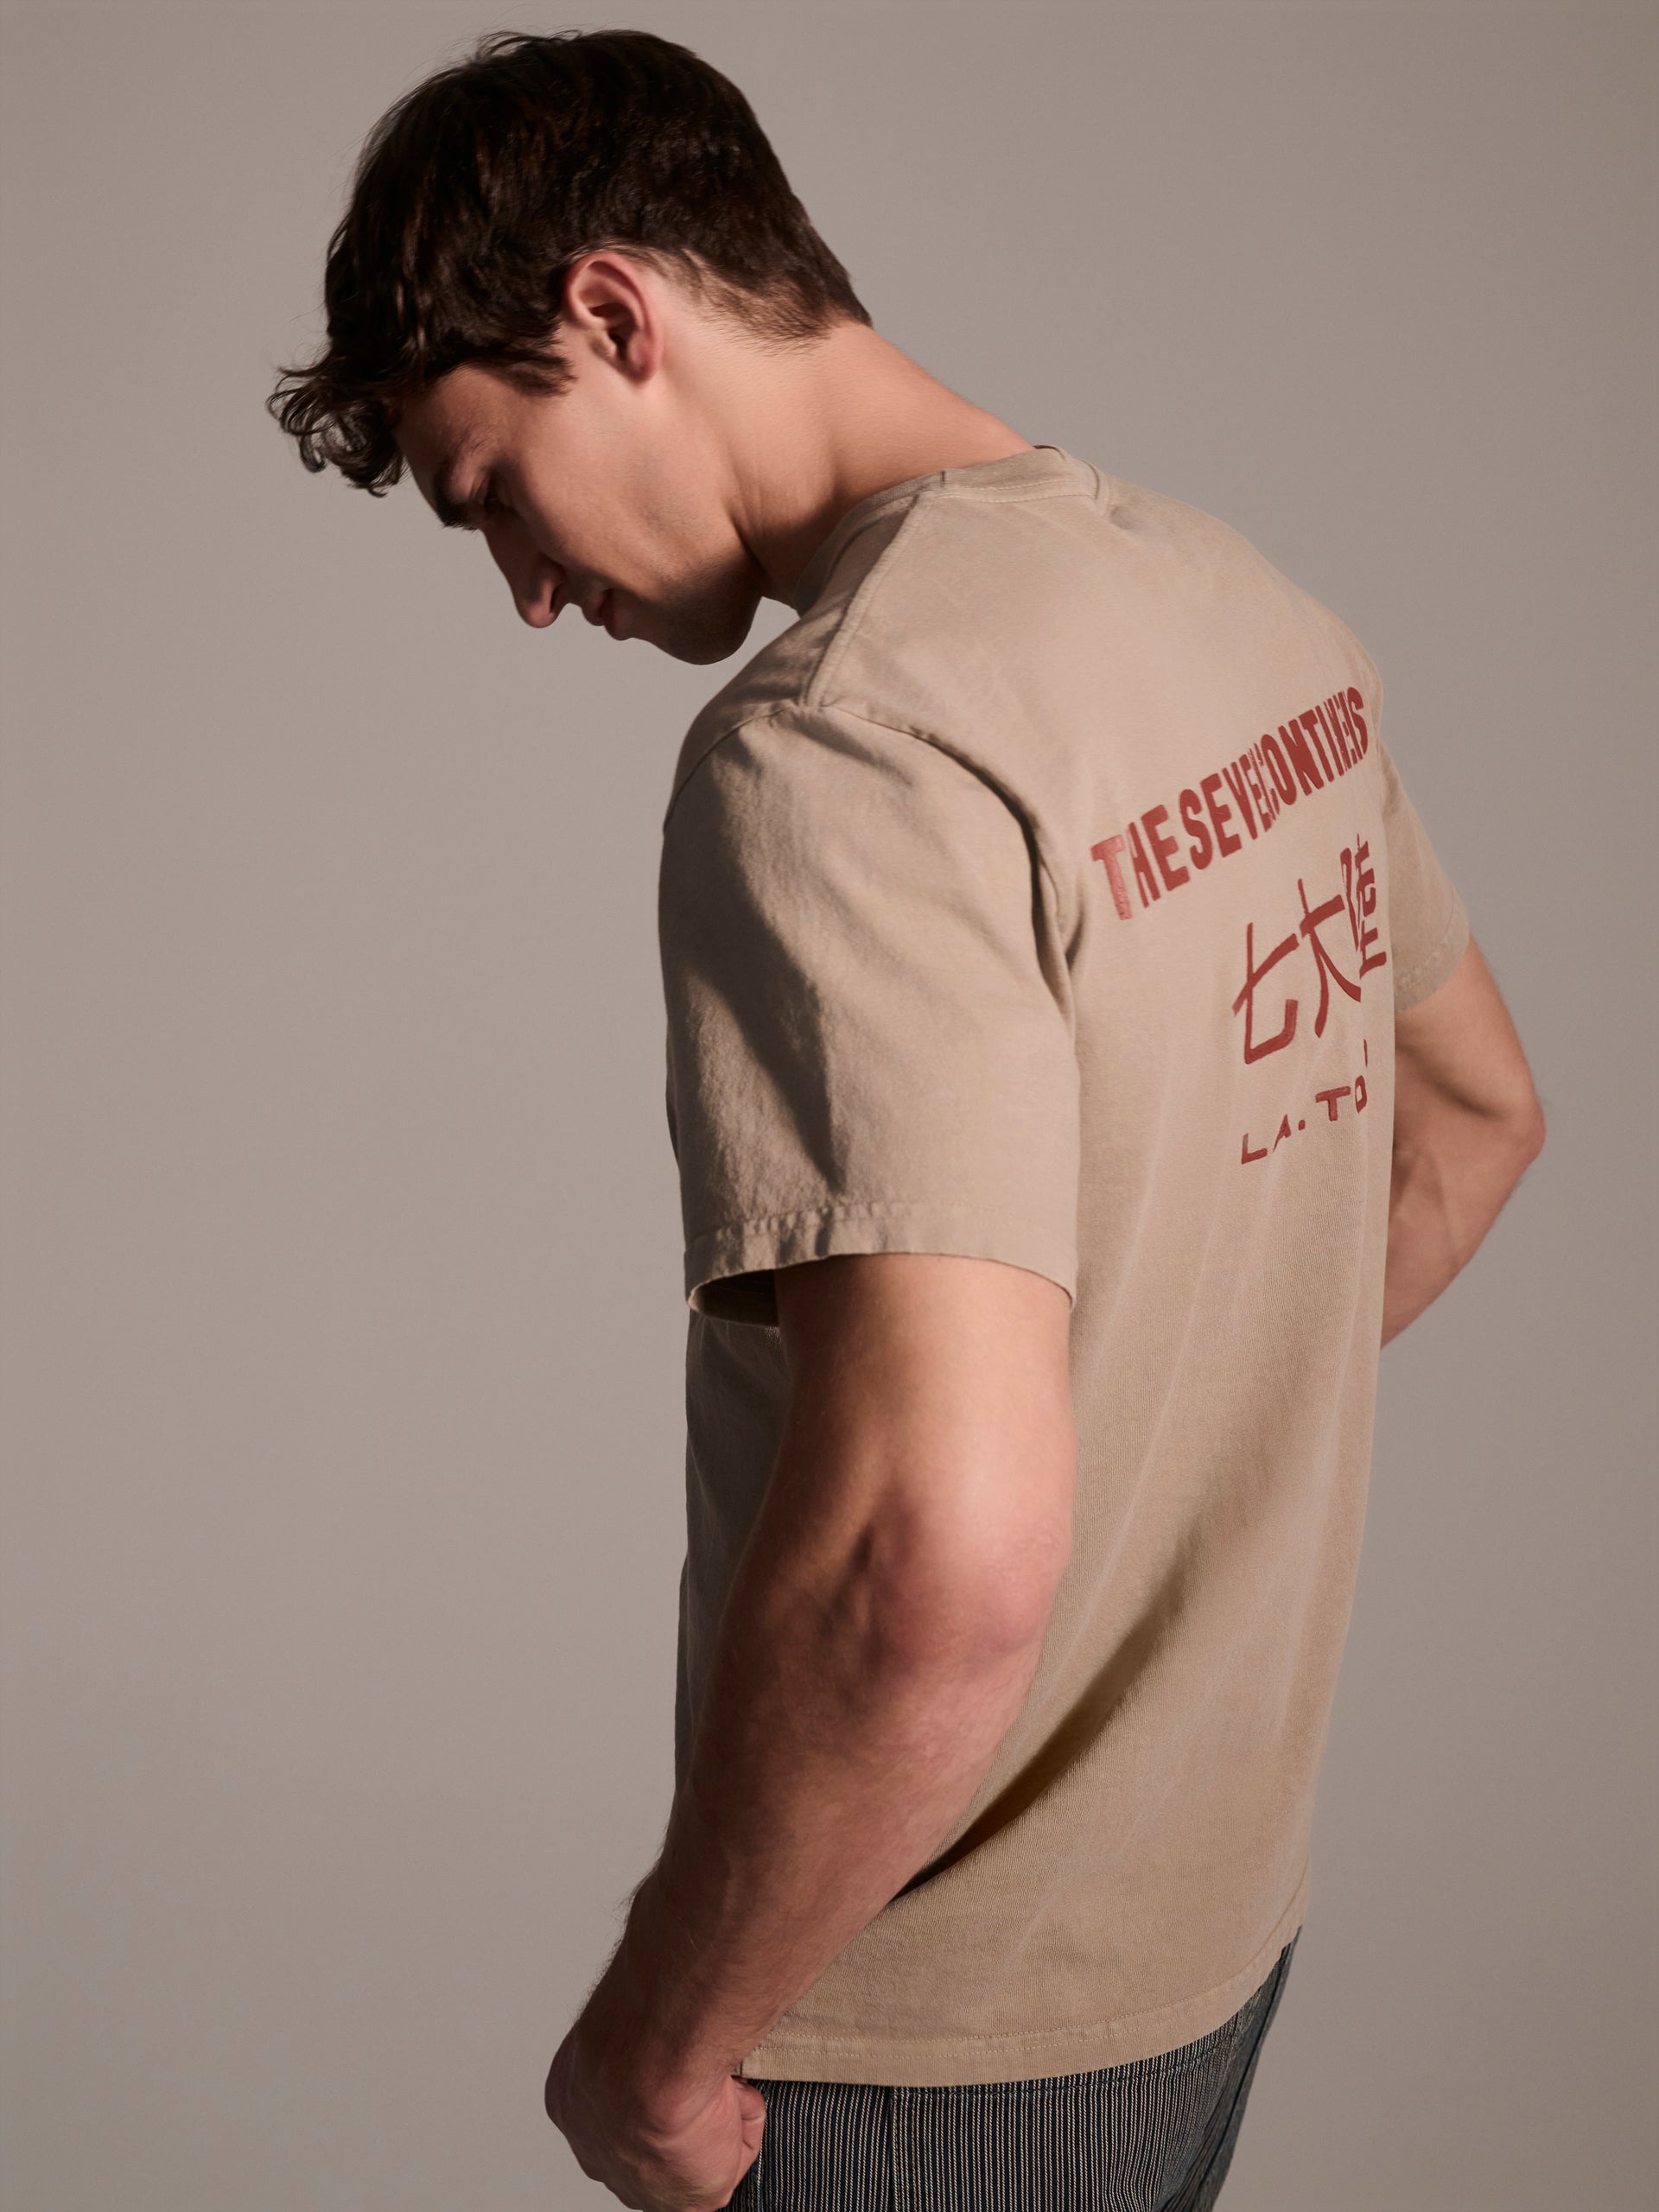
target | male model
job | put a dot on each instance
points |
(1079, 1065)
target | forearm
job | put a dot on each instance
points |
(1451, 1177)
(826, 1768)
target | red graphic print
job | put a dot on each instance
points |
(1360, 889)
(1252, 976)
(1308, 753)
(1358, 897)
(1329, 971)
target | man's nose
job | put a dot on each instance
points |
(536, 594)
(533, 579)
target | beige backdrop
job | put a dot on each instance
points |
(343, 1332)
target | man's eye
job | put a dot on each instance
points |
(490, 505)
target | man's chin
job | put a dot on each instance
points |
(699, 646)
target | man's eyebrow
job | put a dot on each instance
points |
(447, 510)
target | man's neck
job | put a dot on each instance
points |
(841, 421)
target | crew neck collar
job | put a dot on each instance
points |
(1014, 471)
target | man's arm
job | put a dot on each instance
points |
(881, 1632)
(1467, 1124)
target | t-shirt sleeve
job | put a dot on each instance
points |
(1428, 924)
(870, 1045)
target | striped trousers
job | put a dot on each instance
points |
(1156, 2135)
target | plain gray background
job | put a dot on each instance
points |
(343, 1332)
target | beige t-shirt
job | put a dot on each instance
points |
(1045, 893)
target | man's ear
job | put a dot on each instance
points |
(611, 304)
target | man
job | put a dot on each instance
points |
(1079, 1064)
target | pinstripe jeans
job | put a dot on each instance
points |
(1156, 2135)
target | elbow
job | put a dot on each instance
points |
(966, 1623)
(960, 1567)
(1530, 1135)
(1008, 1619)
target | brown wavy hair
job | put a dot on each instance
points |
(476, 191)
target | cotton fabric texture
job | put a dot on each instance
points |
(1045, 893)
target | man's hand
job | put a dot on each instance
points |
(658, 2150)
(879, 1634)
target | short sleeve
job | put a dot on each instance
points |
(870, 1045)
(1429, 925)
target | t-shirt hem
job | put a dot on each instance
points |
(949, 2061)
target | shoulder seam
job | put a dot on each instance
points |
(769, 713)
(858, 606)
(802, 694)
(1038, 843)
(808, 692)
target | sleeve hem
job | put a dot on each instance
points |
(729, 1270)
(1413, 984)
